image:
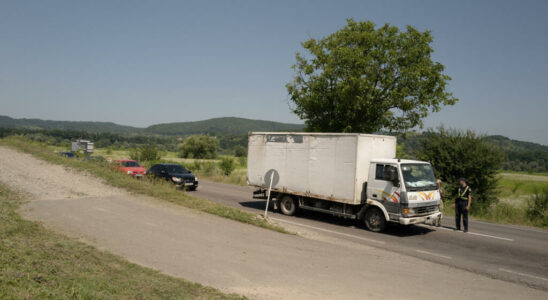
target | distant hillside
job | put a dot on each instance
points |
(520, 156)
(216, 126)
(93, 127)
(221, 126)
(510, 145)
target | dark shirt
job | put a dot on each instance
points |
(464, 192)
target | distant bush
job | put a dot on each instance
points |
(134, 154)
(455, 154)
(149, 153)
(227, 165)
(537, 208)
(145, 153)
(199, 146)
(240, 151)
(242, 161)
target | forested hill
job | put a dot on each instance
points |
(520, 156)
(216, 126)
(221, 126)
(92, 127)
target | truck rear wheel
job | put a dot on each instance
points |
(288, 205)
(374, 219)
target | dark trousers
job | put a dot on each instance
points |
(460, 209)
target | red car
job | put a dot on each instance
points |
(131, 167)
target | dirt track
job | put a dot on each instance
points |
(47, 181)
(231, 256)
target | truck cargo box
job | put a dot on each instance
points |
(331, 166)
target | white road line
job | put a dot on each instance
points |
(433, 254)
(491, 236)
(516, 227)
(475, 233)
(331, 231)
(523, 274)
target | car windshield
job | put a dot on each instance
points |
(130, 164)
(418, 177)
(176, 169)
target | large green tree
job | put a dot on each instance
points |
(455, 154)
(363, 79)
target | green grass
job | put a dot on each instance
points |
(211, 170)
(511, 173)
(157, 189)
(516, 185)
(36, 263)
(516, 194)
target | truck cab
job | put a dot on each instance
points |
(404, 190)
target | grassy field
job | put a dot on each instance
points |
(203, 168)
(36, 263)
(517, 192)
(517, 188)
(157, 189)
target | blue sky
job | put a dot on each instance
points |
(145, 62)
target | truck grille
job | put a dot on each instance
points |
(425, 209)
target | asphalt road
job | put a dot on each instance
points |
(510, 253)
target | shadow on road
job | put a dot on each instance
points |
(391, 229)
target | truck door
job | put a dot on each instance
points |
(386, 187)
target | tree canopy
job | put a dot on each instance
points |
(455, 154)
(199, 146)
(363, 79)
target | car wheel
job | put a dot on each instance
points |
(375, 220)
(288, 205)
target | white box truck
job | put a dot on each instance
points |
(349, 175)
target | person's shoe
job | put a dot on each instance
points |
(465, 230)
(457, 229)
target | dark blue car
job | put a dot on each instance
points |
(176, 174)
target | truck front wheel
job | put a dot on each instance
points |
(288, 205)
(374, 219)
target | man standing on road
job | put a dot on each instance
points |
(442, 197)
(462, 204)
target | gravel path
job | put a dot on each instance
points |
(44, 180)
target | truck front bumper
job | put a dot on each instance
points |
(429, 219)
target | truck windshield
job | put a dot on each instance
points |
(418, 177)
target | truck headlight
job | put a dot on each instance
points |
(408, 211)
(130, 172)
(195, 178)
(176, 179)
